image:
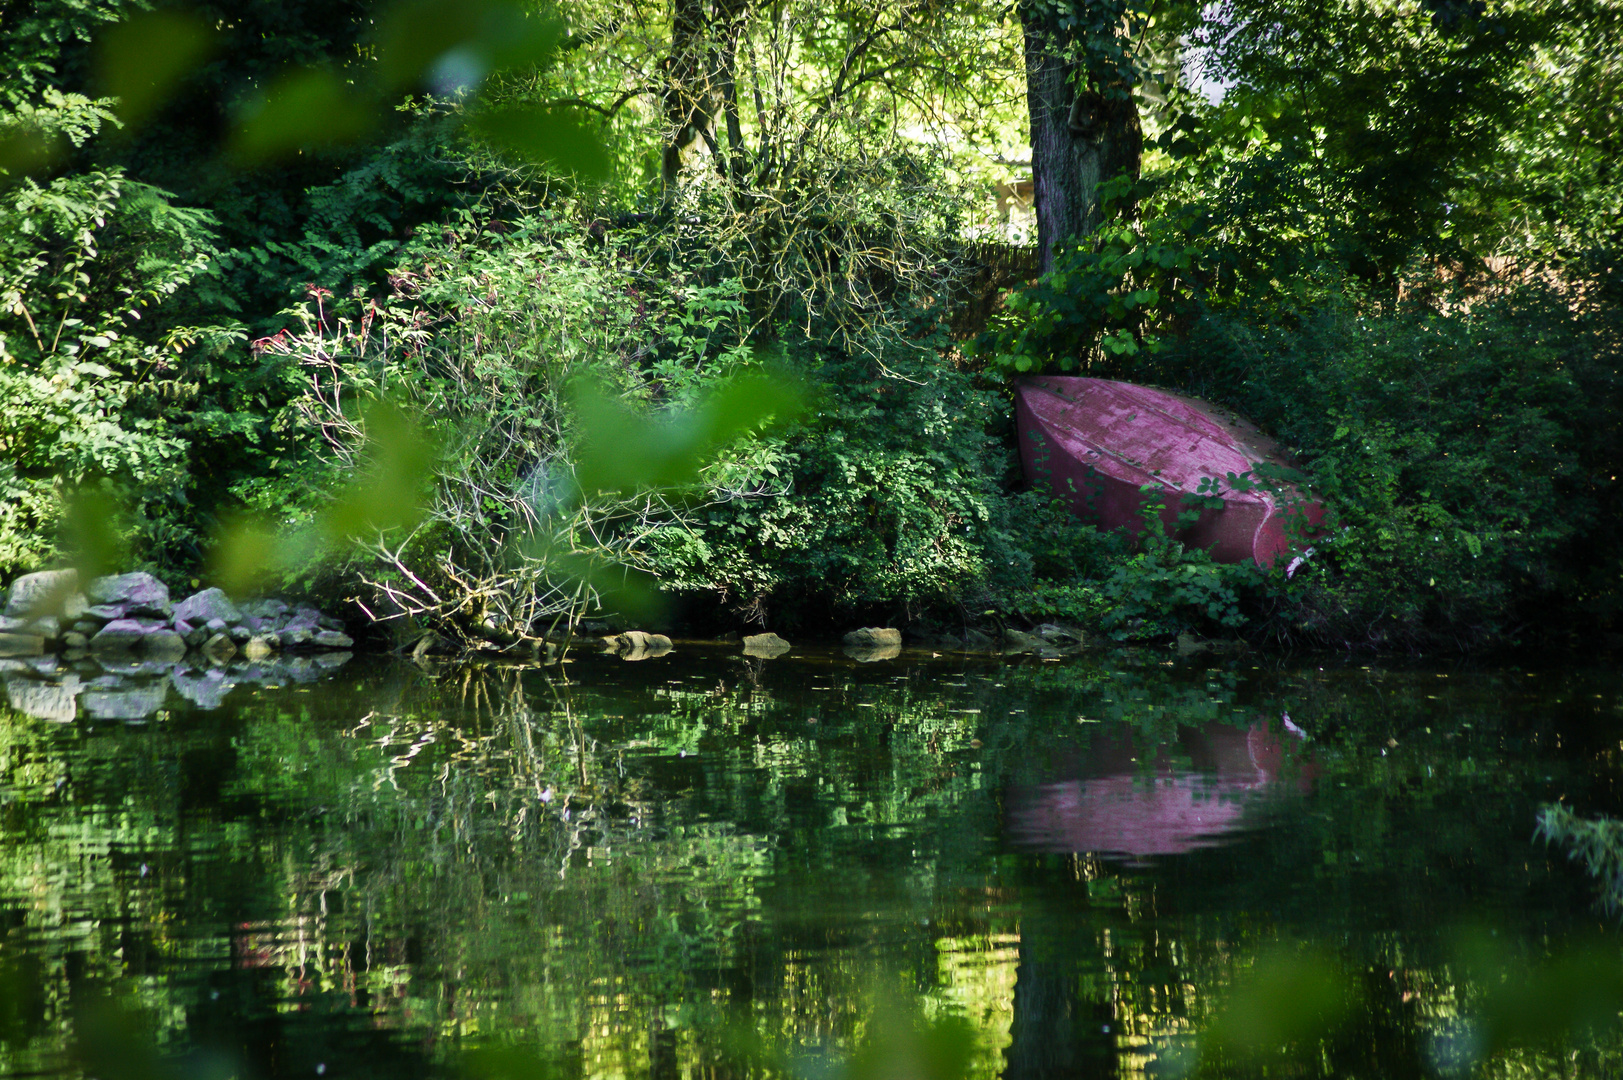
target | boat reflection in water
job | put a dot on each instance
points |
(1122, 805)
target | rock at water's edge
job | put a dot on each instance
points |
(209, 604)
(44, 593)
(871, 637)
(140, 593)
(21, 645)
(46, 700)
(767, 645)
(164, 645)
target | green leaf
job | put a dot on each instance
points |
(302, 110)
(389, 491)
(622, 452)
(553, 138)
(141, 60)
(455, 44)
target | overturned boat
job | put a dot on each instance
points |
(1108, 449)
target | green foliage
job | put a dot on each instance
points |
(887, 501)
(1596, 843)
(101, 379)
(1466, 451)
(1108, 296)
(1166, 589)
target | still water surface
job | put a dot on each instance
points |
(702, 865)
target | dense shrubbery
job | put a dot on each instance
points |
(889, 497)
(1468, 451)
(111, 374)
(1466, 444)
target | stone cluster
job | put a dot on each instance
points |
(51, 688)
(131, 616)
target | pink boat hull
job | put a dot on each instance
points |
(1096, 444)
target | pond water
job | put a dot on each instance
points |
(706, 865)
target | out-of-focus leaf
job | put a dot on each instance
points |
(904, 1045)
(1289, 1001)
(301, 110)
(110, 1043)
(247, 552)
(504, 1063)
(90, 520)
(1578, 991)
(452, 45)
(22, 1001)
(390, 490)
(604, 583)
(621, 451)
(143, 59)
(25, 150)
(744, 404)
(554, 138)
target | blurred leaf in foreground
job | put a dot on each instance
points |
(110, 1042)
(451, 46)
(142, 60)
(504, 1063)
(391, 487)
(621, 452)
(246, 552)
(90, 522)
(302, 110)
(556, 139)
(1288, 1002)
(25, 150)
(1574, 993)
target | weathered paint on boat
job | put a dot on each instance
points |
(1097, 443)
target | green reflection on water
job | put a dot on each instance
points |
(703, 865)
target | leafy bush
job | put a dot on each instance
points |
(887, 502)
(104, 380)
(1467, 451)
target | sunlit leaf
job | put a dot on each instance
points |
(554, 138)
(302, 110)
(142, 60)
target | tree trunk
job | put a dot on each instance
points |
(1084, 125)
(700, 86)
(689, 108)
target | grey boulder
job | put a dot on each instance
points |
(140, 593)
(122, 635)
(874, 637)
(219, 649)
(44, 593)
(208, 604)
(206, 690)
(268, 608)
(21, 645)
(766, 645)
(165, 645)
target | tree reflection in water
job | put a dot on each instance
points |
(704, 865)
